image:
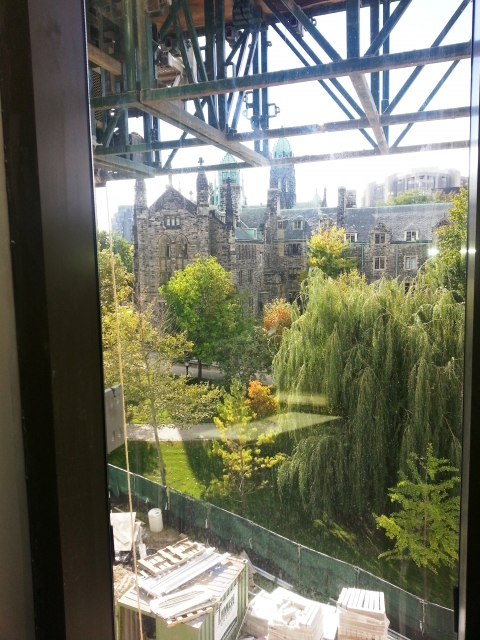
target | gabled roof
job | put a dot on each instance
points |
(425, 217)
(381, 226)
(172, 200)
(410, 227)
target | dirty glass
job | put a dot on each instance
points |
(281, 196)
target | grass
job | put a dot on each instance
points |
(190, 467)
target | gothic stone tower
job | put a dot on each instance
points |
(229, 186)
(282, 177)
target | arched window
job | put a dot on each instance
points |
(163, 257)
(181, 251)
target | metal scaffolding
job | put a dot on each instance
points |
(151, 58)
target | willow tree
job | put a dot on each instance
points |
(390, 364)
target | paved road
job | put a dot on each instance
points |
(208, 431)
(209, 373)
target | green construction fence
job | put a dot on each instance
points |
(310, 571)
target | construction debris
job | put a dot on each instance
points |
(122, 530)
(171, 557)
(361, 614)
(283, 615)
(199, 585)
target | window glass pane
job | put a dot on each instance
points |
(292, 355)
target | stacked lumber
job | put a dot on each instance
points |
(296, 618)
(260, 610)
(283, 615)
(361, 614)
(171, 557)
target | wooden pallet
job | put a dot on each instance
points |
(186, 617)
(171, 557)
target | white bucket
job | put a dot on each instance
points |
(155, 520)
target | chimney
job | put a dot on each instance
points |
(341, 207)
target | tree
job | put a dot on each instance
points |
(425, 528)
(390, 366)
(123, 280)
(244, 355)
(260, 399)
(449, 268)
(152, 392)
(277, 316)
(328, 251)
(416, 196)
(121, 247)
(205, 305)
(240, 448)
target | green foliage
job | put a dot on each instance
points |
(204, 303)
(123, 281)
(449, 268)
(391, 365)
(416, 196)
(152, 392)
(244, 355)
(425, 528)
(121, 248)
(328, 251)
(240, 448)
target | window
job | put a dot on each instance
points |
(240, 277)
(172, 222)
(282, 224)
(350, 237)
(379, 263)
(250, 303)
(250, 276)
(410, 263)
(411, 236)
(379, 238)
(293, 249)
(298, 224)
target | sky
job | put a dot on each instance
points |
(308, 103)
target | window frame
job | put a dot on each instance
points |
(37, 203)
(384, 263)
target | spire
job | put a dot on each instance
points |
(324, 203)
(202, 186)
(229, 206)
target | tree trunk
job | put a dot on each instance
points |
(242, 484)
(199, 370)
(425, 584)
(161, 464)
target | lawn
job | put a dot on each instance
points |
(190, 467)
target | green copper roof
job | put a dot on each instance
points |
(233, 174)
(282, 149)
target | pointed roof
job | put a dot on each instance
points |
(282, 149)
(233, 174)
(172, 200)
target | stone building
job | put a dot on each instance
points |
(265, 260)
(265, 247)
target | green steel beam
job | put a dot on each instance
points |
(175, 114)
(340, 68)
(309, 129)
(144, 40)
(326, 157)
(129, 44)
(103, 152)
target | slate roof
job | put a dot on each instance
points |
(245, 235)
(423, 217)
(398, 219)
